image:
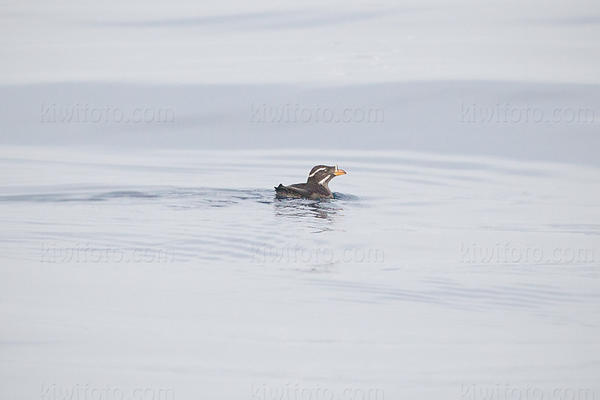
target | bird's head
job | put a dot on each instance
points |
(322, 174)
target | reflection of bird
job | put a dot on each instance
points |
(289, 207)
(315, 186)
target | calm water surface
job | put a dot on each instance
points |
(430, 276)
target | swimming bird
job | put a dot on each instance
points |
(316, 186)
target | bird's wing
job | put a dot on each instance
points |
(297, 190)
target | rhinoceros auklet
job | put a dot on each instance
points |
(315, 186)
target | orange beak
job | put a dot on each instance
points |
(339, 172)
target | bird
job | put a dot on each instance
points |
(316, 186)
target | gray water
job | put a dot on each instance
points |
(426, 276)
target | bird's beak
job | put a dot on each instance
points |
(339, 172)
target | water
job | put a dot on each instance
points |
(427, 276)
